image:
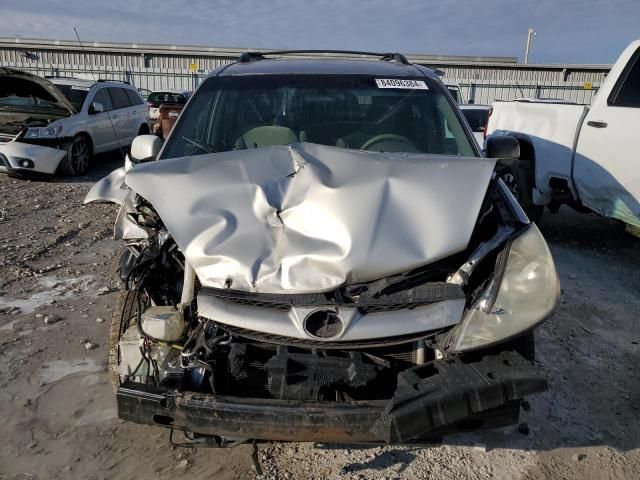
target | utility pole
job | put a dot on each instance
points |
(530, 33)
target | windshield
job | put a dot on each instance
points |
(477, 118)
(75, 94)
(356, 112)
(16, 93)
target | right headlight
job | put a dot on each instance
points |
(526, 294)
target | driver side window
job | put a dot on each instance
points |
(102, 96)
(627, 94)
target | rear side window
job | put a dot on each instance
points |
(627, 92)
(103, 97)
(134, 98)
(119, 97)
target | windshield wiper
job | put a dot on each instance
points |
(202, 147)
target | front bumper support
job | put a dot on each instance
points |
(443, 392)
(431, 400)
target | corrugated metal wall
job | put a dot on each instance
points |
(481, 82)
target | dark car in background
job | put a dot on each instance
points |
(477, 117)
(155, 99)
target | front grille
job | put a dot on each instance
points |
(329, 345)
(405, 299)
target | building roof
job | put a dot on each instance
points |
(199, 50)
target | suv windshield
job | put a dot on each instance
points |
(75, 94)
(239, 112)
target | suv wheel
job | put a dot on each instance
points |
(76, 162)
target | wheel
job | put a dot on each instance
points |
(144, 129)
(76, 162)
(518, 177)
(123, 313)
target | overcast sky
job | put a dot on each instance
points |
(568, 31)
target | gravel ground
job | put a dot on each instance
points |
(57, 288)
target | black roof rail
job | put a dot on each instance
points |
(62, 76)
(246, 57)
(112, 80)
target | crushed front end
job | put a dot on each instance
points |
(437, 348)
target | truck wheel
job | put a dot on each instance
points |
(122, 316)
(76, 161)
(518, 177)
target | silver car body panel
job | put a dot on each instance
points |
(356, 324)
(110, 189)
(45, 159)
(308, 218)
(126, 228)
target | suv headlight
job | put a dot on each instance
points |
(526, 294)
(44, 132)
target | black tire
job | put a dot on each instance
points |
(144, 129)
(76, 161)
(519, 179)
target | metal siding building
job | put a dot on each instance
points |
(158, 67)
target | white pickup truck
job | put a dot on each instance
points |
(585, 157)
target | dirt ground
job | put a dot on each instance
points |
(58, 413)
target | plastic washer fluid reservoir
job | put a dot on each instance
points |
(164, 323)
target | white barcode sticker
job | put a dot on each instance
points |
(401, 83)
(77, 87)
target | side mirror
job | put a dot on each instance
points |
(96, 107)
(145, 148)
(502, 146)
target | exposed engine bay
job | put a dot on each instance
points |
(414, 354)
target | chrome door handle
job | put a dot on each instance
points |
(596, 124)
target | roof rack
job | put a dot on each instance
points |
(100, 80)
(62, 76)
(246, 57)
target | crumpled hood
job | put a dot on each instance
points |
(27, 82)
(309, 218)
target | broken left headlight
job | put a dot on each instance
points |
(524, 295)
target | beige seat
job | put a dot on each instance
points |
(266, 136)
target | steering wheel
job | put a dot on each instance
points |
(389, 137)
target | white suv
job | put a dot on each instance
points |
(60, 123)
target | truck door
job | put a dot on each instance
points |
(607, 161)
